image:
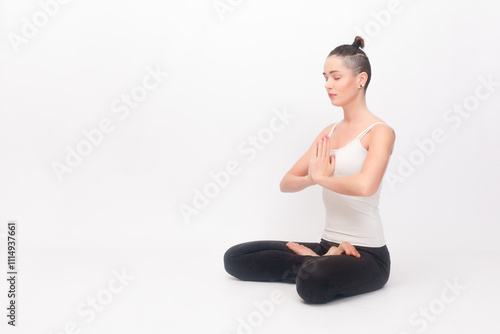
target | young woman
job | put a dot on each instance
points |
(348, 159)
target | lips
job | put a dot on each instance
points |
(332, 95)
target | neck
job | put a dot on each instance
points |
(356, 111)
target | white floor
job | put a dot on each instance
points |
(174, 290)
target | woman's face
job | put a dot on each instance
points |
(342, 87)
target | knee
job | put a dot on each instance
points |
(310, 283)
(231, 260)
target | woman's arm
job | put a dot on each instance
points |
(293, 183)
(298, 178)
(368, 180)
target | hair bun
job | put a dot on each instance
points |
(358, 42)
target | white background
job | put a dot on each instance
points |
(228, 73)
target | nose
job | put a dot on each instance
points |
(328, 84)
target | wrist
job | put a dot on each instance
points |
(310, 181)
(319, 180)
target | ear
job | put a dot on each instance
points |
(362, 78)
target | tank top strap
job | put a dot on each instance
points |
(368, 129)
(333, 128)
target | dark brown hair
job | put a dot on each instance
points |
(354, 58)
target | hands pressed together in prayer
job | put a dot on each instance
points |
(321, 162)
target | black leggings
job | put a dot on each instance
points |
(318, 279)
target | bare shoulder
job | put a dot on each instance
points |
(383, 134)
(326, 130)
(384, 130)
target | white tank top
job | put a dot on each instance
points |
(354, 219)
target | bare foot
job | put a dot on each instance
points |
(334, 251)
(344, 247)
(300, 249)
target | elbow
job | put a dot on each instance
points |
(282, 186)
(367, 192)
(285, 184)
(369, 188)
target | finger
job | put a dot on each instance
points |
(320, 147)
(323, 146)
(326, 152)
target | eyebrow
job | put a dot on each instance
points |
(331, 72)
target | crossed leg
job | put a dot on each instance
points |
(267, 260)
(318, 278)
(325, 278)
